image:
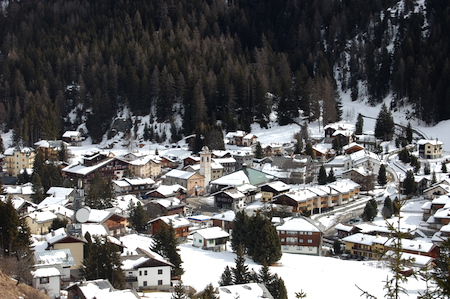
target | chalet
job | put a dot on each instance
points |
(212, 238)
(164, 207)
(440, 218)
(442, 235)
(243, 159)
(352, 148)
(300, 235)
(19, 158)
(180, 224)
(228, 164)
(113, 222)
(368, 161)
(360, 176)
(99, 289)
(60, 240)
(21, 205)
(246, 175)
(191, 160)
(229, 198)
(437, 190)
(323, 151)
(166, 191)
(40, 222)
(431, 207)
(107, 166)
(347, 189)
(430, 149)
(241, 138)
(48, 281)
(169, 162)
(224, 220)
(24, 191)
(193, 182)
(136, 186)
(271, 189)
(344, 230)
(61, 259)
(363, 245)
(291, 170)
(273, 149)
(50, 149)
(57, 196)
(74, 138)
(148, 271)
(296, 201)
(143, 166)
(344, 132)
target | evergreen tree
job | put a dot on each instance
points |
(309, 150)
(359, 124)
(433, 178)
(100, 193)
(396, 205)
(277, 288)
(103, 262)
(388, 208)
(441, 271)
(409, 183)
(209, 292)
(265, 245)
(259, 154)
(15, 232)
(382, 179)
(444, 167)
(369, 212)
(337, 145)
(226, 278)
(298, 144)
(179, 292)
(322, 178)
(240, 233)
(38, 190)
(165, 244)
(426, 169)
(58, 223)
(337, 248)
(409, 133)
(241, 274)
(63, 154)
(384, 125)
(331, 177)
(137, 217)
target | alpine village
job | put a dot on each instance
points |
(224, 149)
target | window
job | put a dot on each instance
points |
(140, 273)
(300, 248)
(44, 280)
(301, 240)
(160, 271)
(310, 233)
(199, 240)
(160, 282)
(285, 247)
(145, 272)
(145, 283)
(310, 248)
(309, 241)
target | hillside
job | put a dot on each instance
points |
(216, 64)
(8, 289)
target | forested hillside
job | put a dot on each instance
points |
(217, 64)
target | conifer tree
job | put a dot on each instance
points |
(15, 232)
(265, 246)
(179, 292)
(226, 278)
(444, 167)
(388, 208)
(240, 233)
(382, 179)
(441, 271)
(309, 150)
(259, 154)
(38, 190)
(137, 217)
(409, 183)
(384, 126)
(359, 124)
(331, 177)
(322, 178)
(241, 274)
(100, 194)
(433, 178)
(210, 292)
(165, 244)
(409, 133)
(277, 288)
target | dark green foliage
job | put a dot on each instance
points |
(370, 210)
(331, 177)
(239, 235)
(209, 292)
(102, 261)
(337, 246)
(165, 244)
(137, 217)
(409, 133)
(384, 126)
(433, 178)
(396, 206)
(259, 153)
(382, 179)
(277, 288)
(409, 184)
(38, 190)
(241, 274)
(441, 271)
(179, 292)
(58, 223)
(226, 278)
(15, 233)
(426, 169)
(48, 172)
(404, 155)
(359, 124)
(322, 178)
(309, 150)
(388, 208)
(100, 194)
(63, 154)
(444, 167)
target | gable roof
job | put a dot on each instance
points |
(61, 257)
(246, 175)
(214, 232)
(297, 224)
(181, 174)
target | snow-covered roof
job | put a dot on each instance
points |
(444, 187)
(418, 260)
(299, 195)
(224, 160)
(413, 245)
(46, 272)
(93, 229)
(56, 235)
(59, 191)
(69, 134)
(441, 213)
(364, 239)
(59, 210)
(51, 201)
(233, 193)
(344, 186)
(441, 200)
(226, 216)
(168, 190)
(167, 202)
(55, 257)
(84, 170)
(144, 160)
(134, 241)
(98, 216)
(343, 227)
(175, 220)
(350, 145)
(247, 291)
(131, 263)
(233, 179)
(297, 224)
(41, 217)
(235, 134)
(429, 141)
(181, 174)
(278, 186)
(212, 233)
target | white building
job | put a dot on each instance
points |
(212, 238)
(48, 281)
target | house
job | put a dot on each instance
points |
(230, 199)
(143, 166)
(440, 218)
(164, 207)
(169, 162)
(48, 281)
(360, 176)
(50, 149)
(246, 175)
(106, 165)
(19, 158)
(243, 159)
(323, 151)
(364, 245)
(180, 224)
(191, 160)
(24, 191)
(113, 222)
(368, 161)
(224, 220)
(211, 238)
(344, 230)
(294, 170)
(136, 186)
(147, 271)
(431, 207)
(248, 291)
(429, 149)
(193, 182)
(98, 289)
(228, 164)
(442, 235)
(271, 189)
(300, 235)
(40, 222)
(62, 259)
(74, 138)
(57, 196)
(352, 148)
(235, 138)
(344, 132)
(296, 201)
(60, 240)
(21, 205)
(166, 191)
(437, 190)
